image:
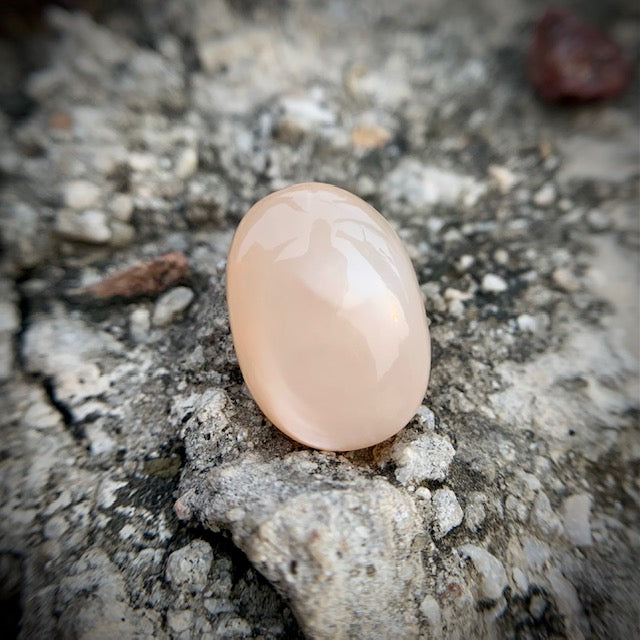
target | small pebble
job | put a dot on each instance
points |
(122, 233)
(447, 511)
(430, 609)
(475, 512)
(179, 621)
(366, 136)
(503, 177)
(576, 511)
(527, 323)
(465, 262)
(87, 226)
(501, 256)
(143, 279)
(565, 204)
(139, 324)
(494, 577)
(456, 308)
(426, 457)
(455, 294)
(543, 516)
(121, 206)
(572, 60)
(80, 194)
(9, 316)
(427, 416)
(546, 196)
(564, 279)
(170, 306)
(188, 567)
(492, 283)
(186, 163)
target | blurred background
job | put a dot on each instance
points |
(500, 139)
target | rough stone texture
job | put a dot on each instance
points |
(142, 494)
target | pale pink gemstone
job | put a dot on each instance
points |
(327, 318)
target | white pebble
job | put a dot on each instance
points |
(543, 516)
(426, 457)
(427, 416)
(576, 511)
(566, 598)
(564, 279)
(186, 163)
(170, 306)
(139, 324)
(501, 256)
(80, 194)
(494, 577)
(475, 512)
(121, 206)
(179, 621)
(537, 606)
(465, 262)
(88, 226)
(527, 323)
(503, 177)
(455, 294)
(456, 308)
(430, 609)
(492, 283)
(447, 511)
(546, 196)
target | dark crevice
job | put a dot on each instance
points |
(25, 307)
(67, 417)
(246, 579)
(10, 595)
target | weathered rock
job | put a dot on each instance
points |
(422, 457)
(338, 547)
(494, 578)
(188, 568)
(94, 604)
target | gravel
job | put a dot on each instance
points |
(448, 513)
(142, 492)
(171, 305)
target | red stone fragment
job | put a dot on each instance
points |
(144, 279)
(570, 60)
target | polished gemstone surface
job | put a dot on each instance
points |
(327, 318)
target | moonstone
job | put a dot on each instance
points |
(327, 318)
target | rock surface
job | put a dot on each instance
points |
(143, 494)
